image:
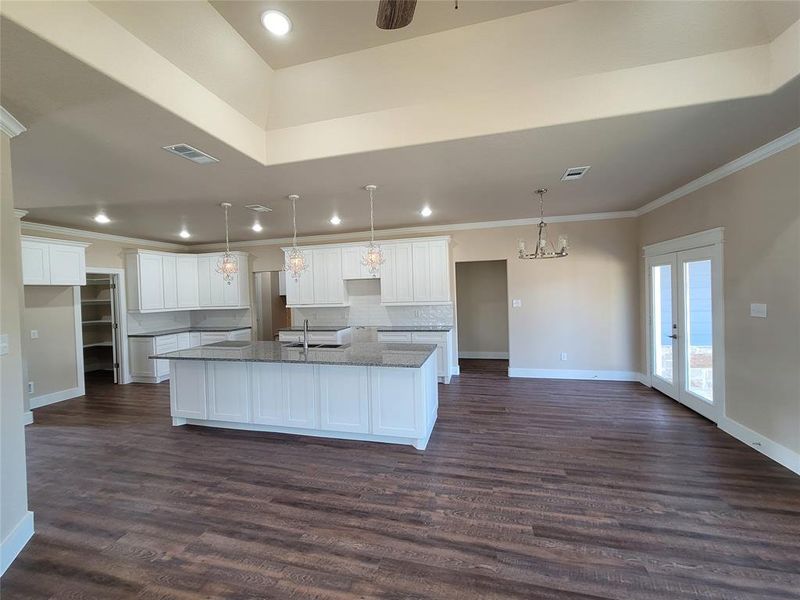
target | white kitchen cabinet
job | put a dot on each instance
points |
(431, 272)
(300, 396)
(397, 285)
(53, 262)
(188, 391)
(341, 336)
(188, 271)
(169, 273)
(443, 340)
(344, 398)
(204, 281)
(326, 271)
(228, 393)
(352, 265)
(267, 394)
(396, 404)
(301, 290)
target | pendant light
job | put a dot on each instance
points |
(373, 259)
(227, 265)
(295, 259)
(544, 248)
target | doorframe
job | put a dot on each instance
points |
(713, 239)
(122, 319)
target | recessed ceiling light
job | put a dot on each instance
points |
(185, 234)
(335, 220)
(276, 22)
(257, 227)
(426, 211)
(102, 218)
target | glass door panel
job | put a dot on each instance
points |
(699, 344)
(662, 321)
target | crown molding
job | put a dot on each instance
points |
(383, 234)
(777, 145)
(19, 213)
(9, 125)
(33, 238)
(108, 237)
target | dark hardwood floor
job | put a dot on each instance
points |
(529, 489)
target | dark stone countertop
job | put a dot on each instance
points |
(370, 354)
(187, 330)
(415, 328)
(296, 328)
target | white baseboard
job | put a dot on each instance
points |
(574, 374)
(456, 370)
(644, 379)
(15, 541)
(467, 354)
(27, 417)
(148, 379)
(54, 397)
(780, 454)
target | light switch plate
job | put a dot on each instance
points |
(516, 303)
(758, 310)
(4, 344)
(34, 334)
(563, 356)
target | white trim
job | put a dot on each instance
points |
(19, 213)
(15, 541)
(488, 355)
(710, 237)
(122, 319)
(645, 379)
(438, 238)
(456, 370)
(78, 312)
(33, 238)
(53, 397)
(420, 229)
(574, 374)
(777, 145)
(94, 235)
(27, 417)
(9, 124)
(780, 454)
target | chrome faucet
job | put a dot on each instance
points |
(305, 336)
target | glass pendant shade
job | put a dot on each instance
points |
(296, 262)
(373, 258)
(227, 265)
(544, 247)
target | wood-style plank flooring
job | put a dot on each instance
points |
(529, 489)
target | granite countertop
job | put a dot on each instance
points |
(415, 328)
(187, 330)
(370, 354)
(317, 328)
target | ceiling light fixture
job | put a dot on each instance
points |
(101, 218)
(295, 259)
(335, 220)
(426, 211)
(227, 265)
(276, 22)
(257, 227)
(185, 234)
(373, 259)
(543, 249)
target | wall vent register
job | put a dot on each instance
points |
(574, 173)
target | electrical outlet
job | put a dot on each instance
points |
(30, 387)
(34, 334)
(563, 356)
(758, 310)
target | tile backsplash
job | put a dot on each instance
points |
(366, 310)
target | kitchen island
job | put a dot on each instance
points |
(364, 391)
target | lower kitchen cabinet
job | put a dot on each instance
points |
(190, 403)
(300, 396)
(228, 393)
(344, 398)
(266, 384)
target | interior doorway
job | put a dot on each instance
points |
(482, 306)
(685, 323)
(269, 304)
(102, 313)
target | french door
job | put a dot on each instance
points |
(685, 328)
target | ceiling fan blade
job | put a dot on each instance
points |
(394, 14)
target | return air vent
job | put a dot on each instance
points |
(574, 173)
(193, 154)
(258, 207)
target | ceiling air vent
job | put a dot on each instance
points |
(574, 173)
(258, 207)
(193, 154)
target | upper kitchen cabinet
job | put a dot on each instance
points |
(431, 271)
(47, 261)
(163, 281)
(397, 278)
(322, 283)
(352, 265)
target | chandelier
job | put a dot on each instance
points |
(373, 259)
(295, 259)
(227, 265)
(544, 248)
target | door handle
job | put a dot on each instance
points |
(674, 336)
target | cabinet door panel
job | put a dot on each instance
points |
(439, 272)
(216, 282)
(228, 392)
(351, 262)
(188, 389)
(333, 275)
(268, 404)
(403, 273)
(344, 398)
(421, 271)
(151, 283)
(230, 291)
(300, 396)
(35, 263)
(141, 349)
(204, 280)
(188, 281)
(169, 270)
(395, 402)
(388, 281)
(67, 265)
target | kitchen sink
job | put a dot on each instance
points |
(314, 346)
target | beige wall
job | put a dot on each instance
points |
(51, 358)
(481, 289)
(759, 207)
(13, 477)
